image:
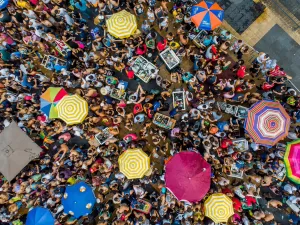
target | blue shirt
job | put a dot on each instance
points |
(221, 125)
(236, 96)
(82, 7)
(25, 83)
(294, 218)
(207, 41)
(58, 67)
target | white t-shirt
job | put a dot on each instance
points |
(261, 58)
(4, 71)
(30, 14)
(34, 24)
(289, 188)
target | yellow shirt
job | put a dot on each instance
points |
(23, 4)
(174, 45)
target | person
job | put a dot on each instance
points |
(138, 9)
(50, 44)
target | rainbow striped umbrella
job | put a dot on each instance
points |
(49, 100)
(267, 122)
(207, 15)
(292, 161)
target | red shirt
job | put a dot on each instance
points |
(225, 143)
(130, 74)
(237, 205)
(141, 49)
(266, 86)
(162, 46)
(250, 200)
(226, 191)
(239, 88)
(276, 72)
(241, 72)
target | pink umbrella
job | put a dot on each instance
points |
(188, 176)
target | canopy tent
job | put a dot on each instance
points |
(16, 150)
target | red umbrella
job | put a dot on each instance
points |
(188, 176)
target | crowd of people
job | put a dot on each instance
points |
(219, 72)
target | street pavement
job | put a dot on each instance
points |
(240, 14)
(279, 45)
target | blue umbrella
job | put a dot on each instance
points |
(39, 216)
(3, 3)
(78, 199)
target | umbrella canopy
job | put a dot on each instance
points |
(78, 199)
(292, 161)
(134, 163)
(16, 150)
(121, 24)
(72, 109)
(3, 4)
(39, 216)
(188, 176)
(49, 100)
(218, 207)
(207, 15)
(267, 122)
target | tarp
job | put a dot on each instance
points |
(16, 151)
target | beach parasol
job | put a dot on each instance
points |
(267, 122)
(188, 176)
(49, 100)
(218, 207)
(39, 216)
(207, 15)
(72, 109)
(16, 150)
(134, 163)
(78, 199)
(3, 4)
(122, 24)
(292, 161)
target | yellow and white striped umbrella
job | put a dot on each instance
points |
(121, 24)
(218, 207)
(72, 109)
(134, 163)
